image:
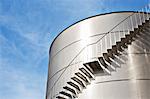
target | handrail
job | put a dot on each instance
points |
(78, 41)
(92, 44)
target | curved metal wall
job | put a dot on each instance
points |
(131, 80)
(69, 49)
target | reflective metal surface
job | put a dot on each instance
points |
(132, 79)
(76, 45)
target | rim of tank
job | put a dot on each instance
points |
(83, 20)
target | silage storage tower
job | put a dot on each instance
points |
(106, 56)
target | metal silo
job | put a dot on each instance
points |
(106, 56)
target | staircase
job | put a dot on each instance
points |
(104, 64)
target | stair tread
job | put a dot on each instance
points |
(110, 53)
(70, 89)
(106, 57)
(60, 97)
(78, 81)
(82, 77)
(66, 94)
(87, 72)
(95, 67)
(102, 62)
(114, 50)
(74, 85)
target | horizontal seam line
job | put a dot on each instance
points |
(119, 80)
(82, 39)
(136, 53)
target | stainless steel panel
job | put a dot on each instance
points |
(130, 81)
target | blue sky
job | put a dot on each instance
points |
(27, 28)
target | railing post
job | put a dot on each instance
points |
(132, 28)
(123, 30)
(119, 33)
(105, 40)
(129, 25)
(136, 24)
(140, 18)
(95, 50)
(143, 15)
(137, 20)
(101, 47)
(146, 8)
(110, 42)
(115, 36)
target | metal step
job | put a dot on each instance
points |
(119, 60)
(60, 97)
(70, 89)
(66, 94)
(73, 95)
(105, 72)
(76, 90)
(87, 73)
(74, 85)
(119, 45)
(114, 50)
(80, 75)
(140, 26)
(110, 53)
(86, 77)
(124, 42)
(89, 68)
(147, 25)
(95, 66)
(106, 57)
(115, 64)
(128, 36)
(145, 30)
(102, 62)
(133, 34)
(106, 65)
(146, 21)
(84, 82)
(78, 81)
(136, 29)
(143, 23)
